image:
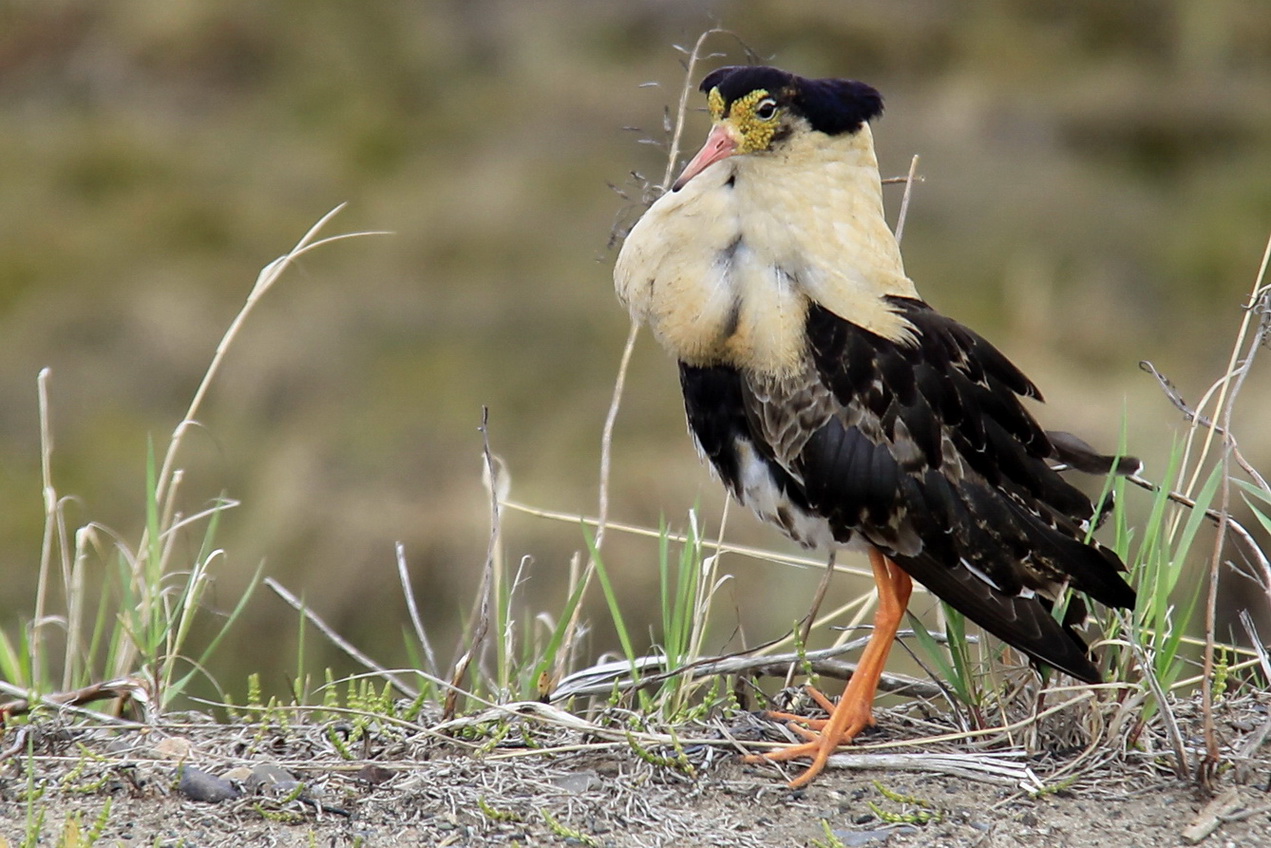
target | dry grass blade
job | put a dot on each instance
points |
(910, 179)
(815, 607)
(264, 282)
(1250, 545)
(603, 678)
(403, 575)
(1238, 369)
(1255, 740)
(1005, 768)
(606, 462)
(70, 707)
(54, 528)
(131, 689)
(1175, 736)
(716, 544)
(488, 590)
(339, 641)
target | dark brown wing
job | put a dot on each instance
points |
(926, 451)
(715, 401)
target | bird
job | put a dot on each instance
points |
(832, 400)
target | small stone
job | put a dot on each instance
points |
(200, 786)
(374, 774)
(857, 838)
(578, 782)
(613, 769)
(268, 775)
(173, 748)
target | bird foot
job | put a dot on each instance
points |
(798, 723)
(848, 718)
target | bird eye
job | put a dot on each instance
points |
(766, 109)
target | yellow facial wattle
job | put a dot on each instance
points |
(754, 131)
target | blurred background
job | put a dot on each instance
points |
(1097, 192)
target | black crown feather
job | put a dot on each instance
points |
(831, 106)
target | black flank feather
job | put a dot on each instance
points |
(925, 450)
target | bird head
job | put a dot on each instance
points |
(756, 109)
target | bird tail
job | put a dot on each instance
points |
(1073, 452)
(1025, 622)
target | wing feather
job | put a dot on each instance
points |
(926, 450)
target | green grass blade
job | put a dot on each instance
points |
(13, 665)
(611, 599)
(548, 660)
(937, 655)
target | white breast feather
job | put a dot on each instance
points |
(722, 270)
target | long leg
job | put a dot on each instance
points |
(854, 711)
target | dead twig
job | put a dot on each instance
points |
(1237, 371)
(605, 677)
(904, 200)
(486, 593)
(1211, 817)
(132, 688)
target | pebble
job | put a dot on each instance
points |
(173, 748)
(200, 786)
(268, 775)
(578, 782)
(857, 838)
(374, 774)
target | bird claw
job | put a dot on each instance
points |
(824, 736)
(797, 722)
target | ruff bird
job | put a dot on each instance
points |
(839, 406)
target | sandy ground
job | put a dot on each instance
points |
(530, 782)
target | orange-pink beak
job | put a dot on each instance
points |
(720, 144)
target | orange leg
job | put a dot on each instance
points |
(854, 711)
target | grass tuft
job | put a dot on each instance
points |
(149, 593)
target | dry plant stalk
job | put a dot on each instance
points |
(489, 575)
(1237, 370)
(1216, 427)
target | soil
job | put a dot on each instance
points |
(542, 777)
